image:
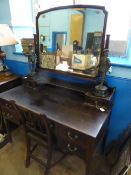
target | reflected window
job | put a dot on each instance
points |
(119, 24)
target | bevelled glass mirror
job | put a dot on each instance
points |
(71, 39)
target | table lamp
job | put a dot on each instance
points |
(6, 38)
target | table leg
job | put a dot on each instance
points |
(89, 156)
(105, 136)
(1, 125)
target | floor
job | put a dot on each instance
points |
(12, 158)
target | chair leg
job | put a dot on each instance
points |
(27, 163)
(48, 164)
(1, 125)
(8, 130)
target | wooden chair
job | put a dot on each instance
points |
(9, 112)
(37, 129)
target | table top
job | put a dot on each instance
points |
(6, 77)
(60, 105)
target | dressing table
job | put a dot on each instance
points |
(76, 125)
(77, 115)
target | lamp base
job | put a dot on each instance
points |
(101, 90)
(2, 54)
(2, 57)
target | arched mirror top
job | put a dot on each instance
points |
(71, 39)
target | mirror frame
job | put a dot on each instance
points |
(36, 40)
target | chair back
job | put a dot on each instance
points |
(36, 124)
(10, 111)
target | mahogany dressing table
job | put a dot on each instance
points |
(78, 117)
(77, 126)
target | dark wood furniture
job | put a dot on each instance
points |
(76, 124)
(9, 113)
(37, 130)
(7, 81)
(78, 119)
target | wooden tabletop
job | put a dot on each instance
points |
(60, 105)
(6, 77)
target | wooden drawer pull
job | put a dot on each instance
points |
(72, 137)
(51, 126)
(71, 149)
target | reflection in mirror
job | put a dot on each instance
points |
(70, 39)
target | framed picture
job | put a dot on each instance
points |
(48, 61)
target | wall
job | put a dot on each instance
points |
(22, 23)
(121, 112)
(129, 47)
(5, 17)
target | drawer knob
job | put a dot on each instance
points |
(51, 126)
(72, 137)
(71, 148)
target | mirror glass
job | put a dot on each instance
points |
(70, 40)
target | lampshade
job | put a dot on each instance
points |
(6, 36)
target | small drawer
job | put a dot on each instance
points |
(70, 147)
(72, 135)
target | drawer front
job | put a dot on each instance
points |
(70, 147)
(71, 135)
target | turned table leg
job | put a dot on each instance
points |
(1, 125)
(89, 155)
